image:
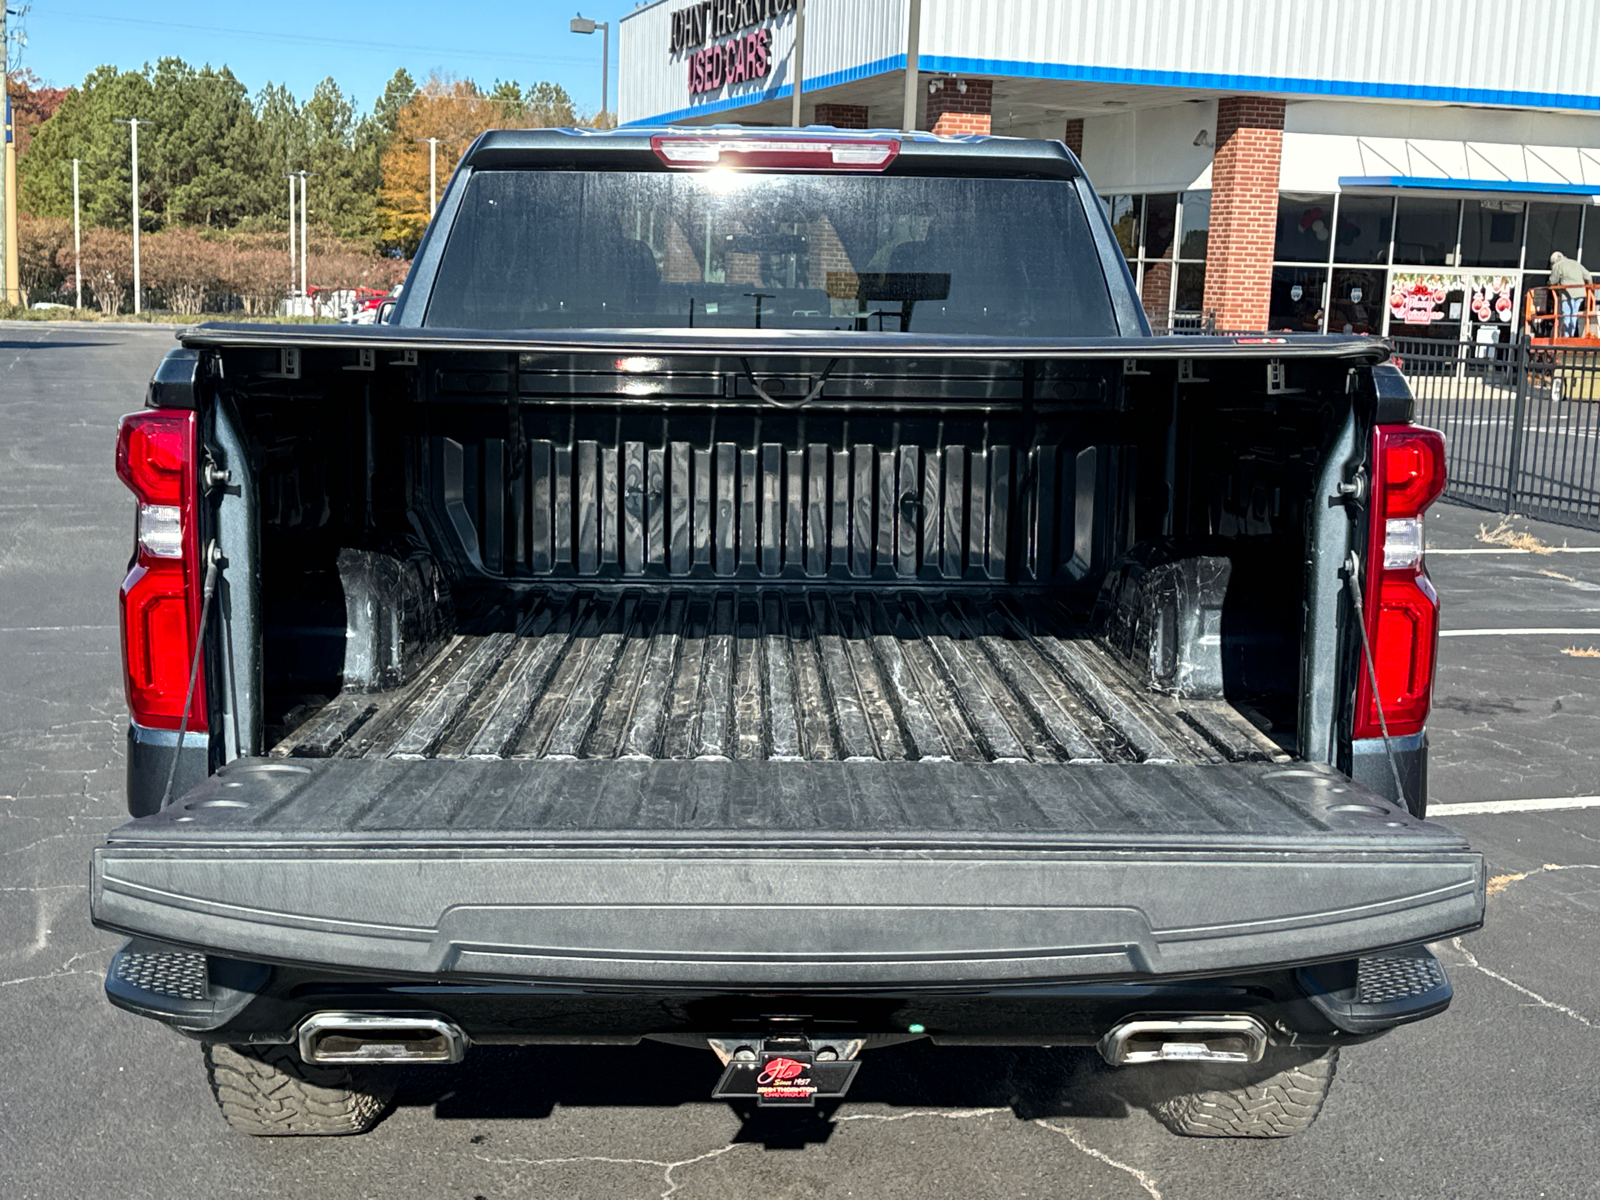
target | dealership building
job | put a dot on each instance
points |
(1397, 168)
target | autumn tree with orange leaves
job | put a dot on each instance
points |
(455, 111)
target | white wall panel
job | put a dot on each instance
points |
(1324, 141)
(1528, 53)
(1535, 52)
(1149, 149)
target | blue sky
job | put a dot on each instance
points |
(298, 42)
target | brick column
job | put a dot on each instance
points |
(841, 116)
(1074, 136)
(1155, 293)
(960, 105)
(1244, 211)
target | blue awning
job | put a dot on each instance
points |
(1429, 183)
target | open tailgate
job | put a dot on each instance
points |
(783, 874)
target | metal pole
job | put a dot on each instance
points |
(605, 66)
(12, 282)
(294, 255)
(908, 118)
(799, 62)
(433, 176)
(305, 232)
(77, 240)
(7, 250)
(133, 129)
(1519, 421)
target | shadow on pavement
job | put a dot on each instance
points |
(506, 1083)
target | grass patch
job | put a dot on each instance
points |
(14, 312)
(1504, 535)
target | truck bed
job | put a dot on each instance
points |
(780, 675)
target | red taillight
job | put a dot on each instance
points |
(1402, 609)
(798, 153)
(161, 596)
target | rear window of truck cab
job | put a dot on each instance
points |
(543, 249)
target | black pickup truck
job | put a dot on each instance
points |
(768, 591)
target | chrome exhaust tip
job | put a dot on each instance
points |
(359, 1039)
(1221, 1039)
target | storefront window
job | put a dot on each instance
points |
(1366, 223)
(1125, 221)
(1491, 233)
(1305, 223)
(1356, 305)
(1591, 241)
(1196, 226)
(1542, 323)
(1425, 232)
(1297, 294)
(1552, 227)
(1160, 224)
(1191, 295)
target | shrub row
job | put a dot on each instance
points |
(188, 272)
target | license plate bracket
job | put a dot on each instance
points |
(785, 1073)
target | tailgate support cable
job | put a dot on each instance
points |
(213, 557)
(774, 401)
(1352, 577)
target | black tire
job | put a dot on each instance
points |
(1277, 1097)
(266, 1091)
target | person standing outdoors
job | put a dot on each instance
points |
(1567, 275)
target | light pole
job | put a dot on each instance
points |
(582, 24)
(305, 231)
(77, 241)
(10, 277)
(133, 124)
(799, 62)
(908, 119)
(294, 259)
(433, 174)
(8, 245)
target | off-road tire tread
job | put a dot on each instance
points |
(1279, 1104)
(266, 1091)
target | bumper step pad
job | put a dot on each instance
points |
(1380, 990)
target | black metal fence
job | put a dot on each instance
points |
(1521, 422)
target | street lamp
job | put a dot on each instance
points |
(133, 124)
(582, 24)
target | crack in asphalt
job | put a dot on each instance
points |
(1472, 961)
(958, 1114)
(667, 1167)
(60, 972)
(1142, 1178)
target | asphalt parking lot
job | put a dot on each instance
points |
(1497, 1098)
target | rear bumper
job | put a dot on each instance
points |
(218, 999)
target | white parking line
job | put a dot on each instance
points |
(1507, 806)
(1519, 632)
(1513, 550)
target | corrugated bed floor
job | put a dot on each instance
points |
(780, 675)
